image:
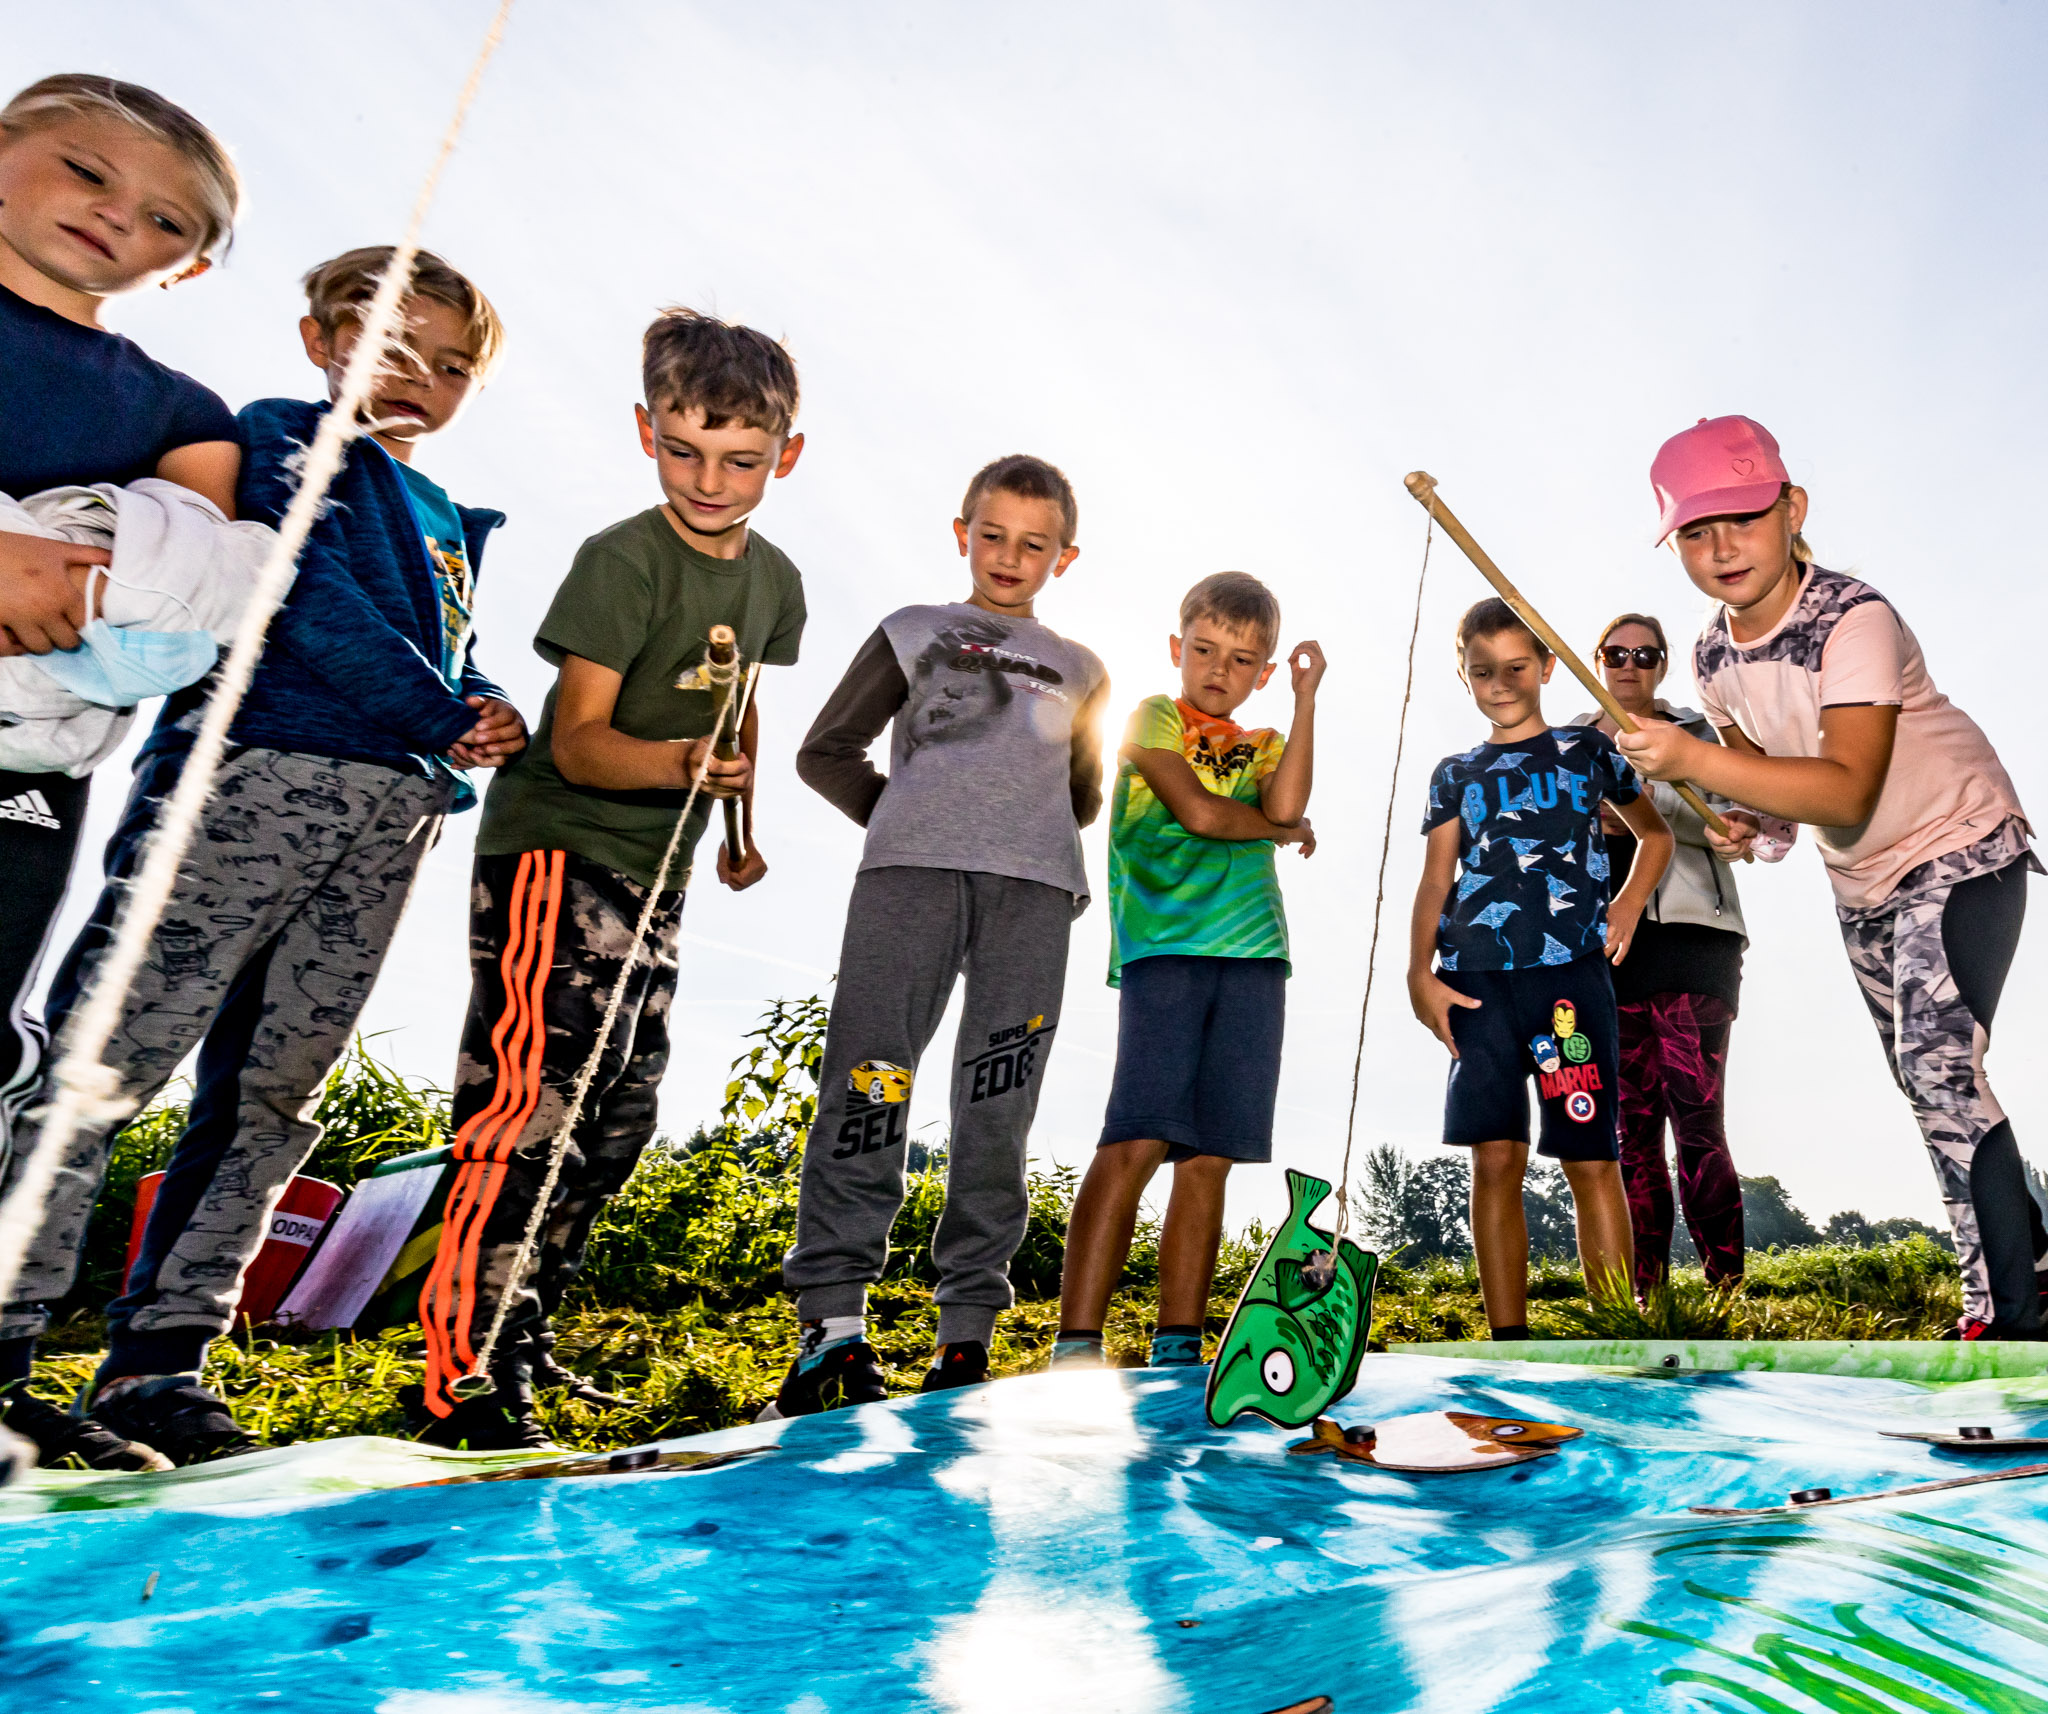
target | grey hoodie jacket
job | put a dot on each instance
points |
(1698, 887)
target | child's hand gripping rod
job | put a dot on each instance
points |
(724, 652)
(1423, 486)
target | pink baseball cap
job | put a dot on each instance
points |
(1720, 465)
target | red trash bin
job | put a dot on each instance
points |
(301, 1216)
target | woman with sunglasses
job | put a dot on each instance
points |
(1676, 994)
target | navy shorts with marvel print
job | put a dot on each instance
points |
(1552, 1022)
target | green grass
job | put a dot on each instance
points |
(680, 1305)
(1905, 1289)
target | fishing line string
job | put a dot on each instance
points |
(727, 677)
(1379, 898)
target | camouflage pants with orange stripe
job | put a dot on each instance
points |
(549, 934)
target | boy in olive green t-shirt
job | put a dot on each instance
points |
(1198, 944)
(572, 839)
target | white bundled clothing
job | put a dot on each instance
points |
(181, 577)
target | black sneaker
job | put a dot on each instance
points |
(961, 1365)
(66, 1442)
(174, 1414)
(549, 1373)
(500, 1421)
(848, 1373)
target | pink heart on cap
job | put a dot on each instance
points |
(1743, 466)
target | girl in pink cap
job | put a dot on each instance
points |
(1827, 715)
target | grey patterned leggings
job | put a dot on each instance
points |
(1931, 969)
(301, 868)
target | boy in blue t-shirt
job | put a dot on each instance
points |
(344, 763)
(1513, 910)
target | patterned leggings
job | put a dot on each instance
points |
(1674, 1058)
(1931, 966)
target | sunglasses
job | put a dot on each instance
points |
(1646, 657)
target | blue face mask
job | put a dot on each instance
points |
(119, 668)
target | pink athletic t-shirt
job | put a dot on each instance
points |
(1842, 643)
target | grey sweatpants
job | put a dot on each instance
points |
(313, 859)
(910, 933)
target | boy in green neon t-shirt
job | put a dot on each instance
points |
(1199, 947)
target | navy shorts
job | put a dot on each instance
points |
(1552, 1022)
(1198, 1055)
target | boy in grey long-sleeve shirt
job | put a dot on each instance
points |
(973, 863)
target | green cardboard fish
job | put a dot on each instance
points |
(1295, 1339)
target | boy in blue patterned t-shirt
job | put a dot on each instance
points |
(1513, 912)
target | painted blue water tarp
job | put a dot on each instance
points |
(1077, 1541)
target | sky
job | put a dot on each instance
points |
(1236, 269)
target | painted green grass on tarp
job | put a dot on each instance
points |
(1857, 1665)
(1926, 1360)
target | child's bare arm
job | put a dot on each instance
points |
(1283, 793)
(1837, 788)
(1198, 809)
(1428, 993)
(1654, 846)
(42, 592)
(209, 467)
(590, 751)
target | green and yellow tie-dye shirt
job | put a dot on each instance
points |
(1172, 891)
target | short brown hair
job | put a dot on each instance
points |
(1236, 599)
(71, 95)
(1489, 618)
(336, 291)
(692, 361)
(1029, 479)
(1648, 621)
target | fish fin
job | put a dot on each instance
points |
(1291, 1285)
(1364, 1266)
(1305, 1194)
(1365, 1269)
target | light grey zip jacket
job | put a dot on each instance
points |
(1698, 887)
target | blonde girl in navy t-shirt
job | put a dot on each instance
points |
(105, 188)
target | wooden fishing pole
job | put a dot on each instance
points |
(724, 653)
(1423, 486)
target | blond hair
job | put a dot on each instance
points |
(1236, 599)
(336, 291)
(78, 95)
(1800, 551)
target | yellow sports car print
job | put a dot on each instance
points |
(878, 1080)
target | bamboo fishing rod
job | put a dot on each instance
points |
(1423, 486)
